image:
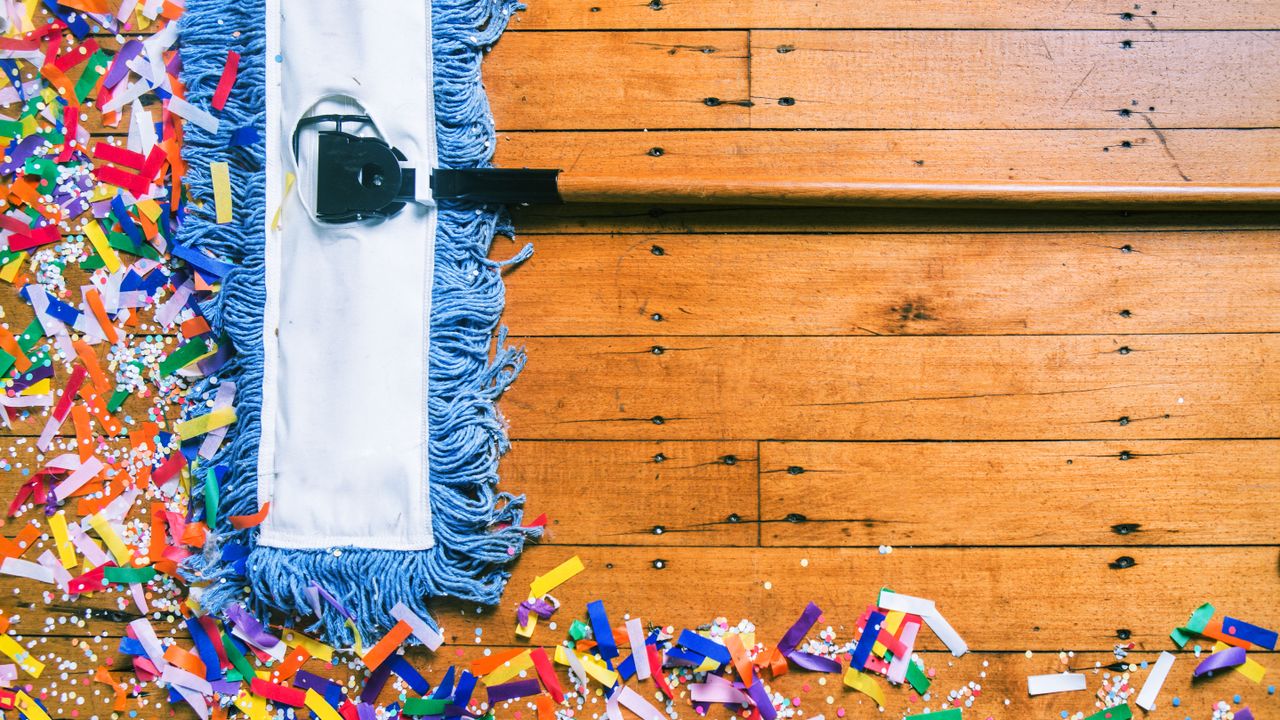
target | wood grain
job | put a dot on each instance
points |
(665, 218)
(997, 79)
(893, 14)
(999, 678)
(895, 388)
(640, 493)
(998, 599)
(1069, 493)
(897, 284)
(1118, 155)
(610, 80)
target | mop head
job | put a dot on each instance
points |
(476, 530)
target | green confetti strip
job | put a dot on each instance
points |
(424, 706)
(1196, 625)
(919, 681)
(93, 72)
(1119, 712)
(117, 399)
(184, 356)
(237, 658)
(128, 575)
(211, 497)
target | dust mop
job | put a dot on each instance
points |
(362, 474)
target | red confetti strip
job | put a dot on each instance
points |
(227, 80)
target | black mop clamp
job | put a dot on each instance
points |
(357, 177)
(361, 177)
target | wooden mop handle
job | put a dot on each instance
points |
(832, 192)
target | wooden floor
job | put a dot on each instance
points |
(1064, 425)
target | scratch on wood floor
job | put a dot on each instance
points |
(1165, 144)
(976, 396)
(1076, 89)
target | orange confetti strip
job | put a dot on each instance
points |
(290, 666)
(89, 6)
(486, 665)
(1214, 630)
(194, 327)
(84, 437)
(99, 409)
(241, 522)
(121, 689)
(389, 643)
(59, 81)
(546, 711)
(89, 506)
(18, 546)
(739, 655)
(10, 345)
(94, 299)
(194, 533)
(185, 659)
(90, 360)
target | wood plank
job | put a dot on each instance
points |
(895, 388)
(892, 14)
(998, 599)
(645, 493)
(894, 284)
(1000, 679)
(609, 80)
(1000, 79)
(1119, 155)
(1073, 493)
(659, 218)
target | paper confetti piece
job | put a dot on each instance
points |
(1250, 668)
(547, 674)
(322, 709)
(202, 424)
(512, 690)
(864, 684)
(220, 174)
(29, 707)
(1242, 630)
(123, 556)
(1199, 619)
(61, 540)
(226, 81)
(243, 522)
(21, 656)
(1054, 683)
(1119, 712)
(926, 609)
(1220, 660)
(423, 632)
(389, 643)
(1155, 681)
(99, 241)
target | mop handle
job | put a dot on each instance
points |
(835, 192)
(517, 186)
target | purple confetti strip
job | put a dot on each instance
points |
(253, 631)
(374, 684)
(792, 638)
(1221, 660)
(817, 663)
(513, 690)
(762, 701)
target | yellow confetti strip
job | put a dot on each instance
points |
(891, 622)
(594, 668)
(252, 705)
(21, 656)
(509, 669)
(99, 242)
(61, 540)
(318, 650)
(865, 685)
(29, 707)
(544, 584)
(150, 208)
(10, 271)
(220, 173)
(202, 424)
(323, 710)
(289, 179)
(1251, 668)
(40, 388)
(118, 549)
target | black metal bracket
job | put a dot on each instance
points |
(357, 177)
(506, 186)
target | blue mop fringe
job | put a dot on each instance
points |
(477, 529)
